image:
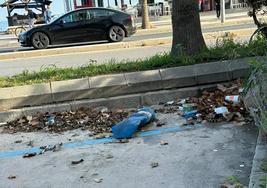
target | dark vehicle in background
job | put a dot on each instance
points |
(83, 25)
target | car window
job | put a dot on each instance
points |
(100, 13)
(76, 17)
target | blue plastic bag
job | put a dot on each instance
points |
(128, 127)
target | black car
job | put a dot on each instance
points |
(90, 24)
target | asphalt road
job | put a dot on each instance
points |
(142, 37)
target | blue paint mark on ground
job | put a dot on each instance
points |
(8, 154)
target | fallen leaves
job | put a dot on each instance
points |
(95, 120)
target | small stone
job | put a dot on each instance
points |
(30, 143)
(159, 123)
(77, 162)
(98, 180)
(81, 177)
(18, 141)
(224, 186)
(154, 165)
(29, 118)
(28, 155)
(122, 141)
(163, 143)
(109, 156)
(12, 177)
(204, 122)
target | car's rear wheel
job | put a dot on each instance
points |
(40, 40)
(116, 34)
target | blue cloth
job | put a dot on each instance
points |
(128, 127)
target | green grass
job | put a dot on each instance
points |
(263, 182)
(226, 49)
(264, 165)
(233, 180)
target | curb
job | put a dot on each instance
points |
(119, 102)
(260, 154)
(106, 86)
(110, 46)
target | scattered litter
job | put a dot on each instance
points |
(28, 155)
(29, 118)
(221, 110)
(50, 120)
(189, 121)
(182, 101)
(154, 165)
(181, 108)
(215, 150)
(190, 114)
(242, 165)
(169, 103)
(102, 135)
(77, 162)
(98, 180)
(18, 141)
(163, 143)
(189, 107)
(30, 143)
(3, 123)
(232, 98)
(12, 177)
(53, 148)
(93, 120)
(128, 127)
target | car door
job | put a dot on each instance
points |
(70, 28)
(100, 20)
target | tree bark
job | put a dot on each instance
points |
(187, 34)
(145, 17)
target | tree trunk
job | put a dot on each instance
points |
(145, 17)
(187, 34)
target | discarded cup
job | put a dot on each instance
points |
(232, 98)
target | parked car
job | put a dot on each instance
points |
(83, 25)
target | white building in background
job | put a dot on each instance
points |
(75, 4)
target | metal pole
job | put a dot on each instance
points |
(222, 11)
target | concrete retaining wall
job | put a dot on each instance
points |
(122, 84)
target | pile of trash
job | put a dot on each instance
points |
(222, 104)
(95, 120)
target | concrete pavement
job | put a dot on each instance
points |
(200, 157)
